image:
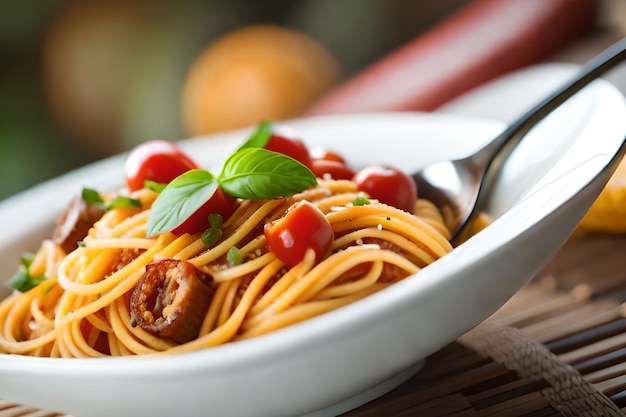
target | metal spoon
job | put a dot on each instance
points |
(461, 188)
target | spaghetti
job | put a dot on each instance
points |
(82, 309)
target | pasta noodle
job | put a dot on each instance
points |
(83, 307)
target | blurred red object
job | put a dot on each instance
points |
(483, 40)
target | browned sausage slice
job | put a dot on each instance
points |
(74, 224)
(171, 299)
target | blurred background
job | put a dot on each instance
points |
(84, 79)
(81, 80)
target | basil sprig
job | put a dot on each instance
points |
(93, 197)
(260, 137)
(250, 173)
(23, 280)
(214, 233)
(154, 186)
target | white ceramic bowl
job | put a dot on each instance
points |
(328, 364)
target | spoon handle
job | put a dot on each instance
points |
(497, 151)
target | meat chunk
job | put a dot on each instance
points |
(74, 224)
(171, 299)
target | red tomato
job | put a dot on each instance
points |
(303, 227)
(220, 203)
(158, 160)
(290, 147)
(388, 185)
(336, 170)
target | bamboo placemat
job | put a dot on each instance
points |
(558, 348)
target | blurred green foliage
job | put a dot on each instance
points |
(31, 147)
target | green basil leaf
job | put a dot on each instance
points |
(260, 137)
(234, 256)
(360, 200)
(211, 236)
(256, 174)
(121, 201)
(179, 200)
(92, 197)
(26, 260)
(216, 220)
(154, 186)
(22, 280)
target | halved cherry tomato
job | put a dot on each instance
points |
(220, 203)
(388, 185)
(158, 160)
(337, 170)
(293, 148)
(303, 227)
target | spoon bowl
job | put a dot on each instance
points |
(461, 188)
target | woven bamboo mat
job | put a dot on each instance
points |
(558, 348)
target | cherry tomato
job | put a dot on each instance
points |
(158, 160)
(303, 227)
(220, 203)
(291, 147)
(388, 185)
(337, 170)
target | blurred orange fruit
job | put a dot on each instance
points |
(260, 72)
(89, 54)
